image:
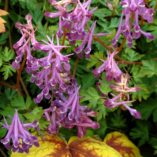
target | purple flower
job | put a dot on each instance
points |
(23, 46)
(66, 111)
(54, 116)
(122, 85)
(110, 66)
(18, 136)
(86, 41)
(123, 96)
(118, 101)
(53, 70)
(72, 24)
(132, 10)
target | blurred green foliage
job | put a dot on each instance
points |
(143, 72)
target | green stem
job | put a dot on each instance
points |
(7, 85)
(3, 154)
(6, 5)
(24, 87)
(75, 67)
(109, 48)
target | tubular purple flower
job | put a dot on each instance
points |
(72, 24)
(18, 136)
(117, 101)
(66, 111)
(110, 66)
(53, 70)
(88, 41)
(23, 46)
(52, 115)
(78, 115)
(131, 30)
(53, 15)
(122, 85)
(133, 112)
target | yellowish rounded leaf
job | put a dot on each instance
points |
(88, 147)
(50, 146)
(53, 146)
(122, 144)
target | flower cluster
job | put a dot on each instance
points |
(66, 111)
(52, 72)
(72, 24)
(18, 137)
(133, 10)
(120, 87)
(123, 98)
(24, 46)
(110, 67)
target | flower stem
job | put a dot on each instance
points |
(2, 153)
(109, 48)
(24, 87)
(64, 38)
(121, 46)
(19, 72)
(7, 85)
(121, 61)
(6, 5)
(75, 67)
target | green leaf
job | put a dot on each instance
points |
(101, 13)
(95, 59)
(141, 132)
(7, 54)
(18, 102)
(29, 102)
(147, 108)
(7, 71)
(91, 95)
(153, 141)
(90, 82)
(149, 68)
(2, 132)
(143, 93)
(114, 23)
(10, 93)
(9, 111)
(35, 114)
(101, 111)
(43, 124)
(3, 37)
(104, 85)
(117, 120)
(6, 97)
(131, 55)
(103, 128)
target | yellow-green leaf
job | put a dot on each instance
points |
(53, 146)
(122, 144)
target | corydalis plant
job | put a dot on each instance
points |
(18, 137)
(129, 24)
(122, 97)
(72, 24)
(49, 72)
(120, 86)
(23, 47)
(110, 67)
(52, 71)
(66, 111)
